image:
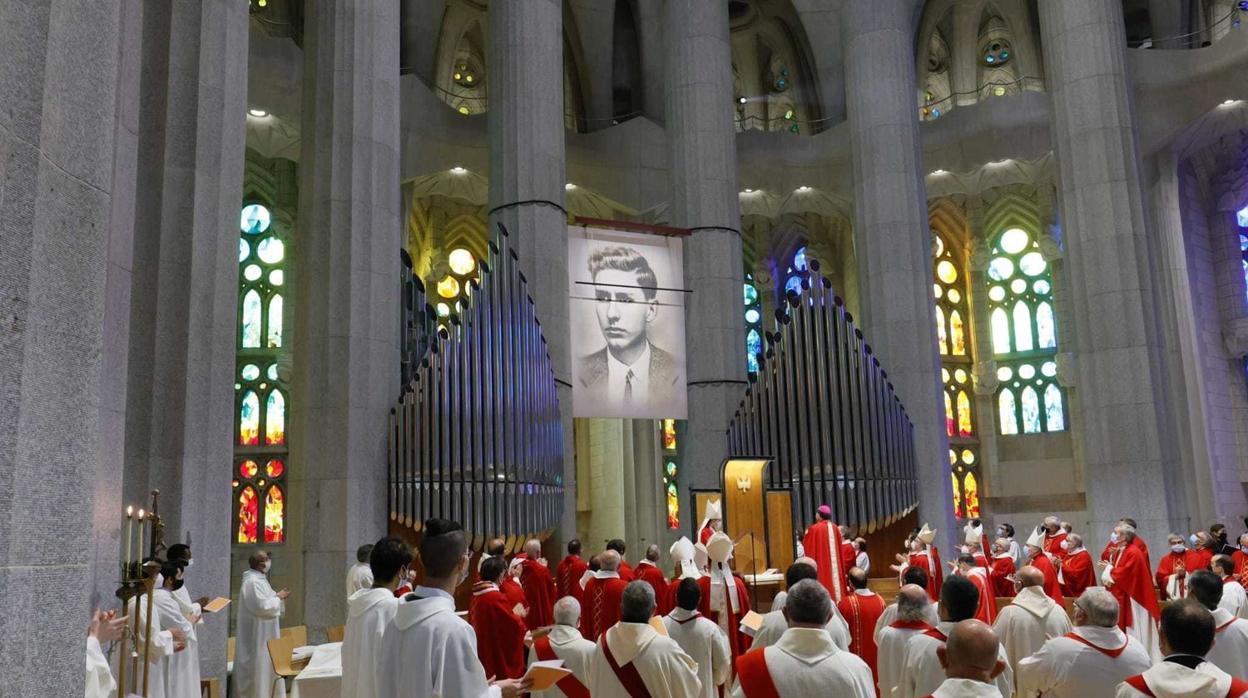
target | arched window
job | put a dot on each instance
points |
(753, 325)
(1024, 336)
(953, 329)
(261, 403)
(1241, 217)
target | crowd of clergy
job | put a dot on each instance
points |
(1001, 619)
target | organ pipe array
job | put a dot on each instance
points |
(476, 435)
(822, 407)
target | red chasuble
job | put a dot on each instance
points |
(1165, 568)
(648, 573)
(861, 612)
(568, 577)
(500, 632)
(1078, 573)
(1053, 544)
(1240, 558)
(982, 561)
(820, 540)
(755, 678)
(705, 534)
(1204, 556)
(1052, 588)
(539, 592)
(1133, 581)
(601, 609)
(849, 557)
(511, 589)
(626, 572)
(1002, 567)
(987, 609)
(930, 561)
(738, 642)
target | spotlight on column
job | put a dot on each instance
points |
(741, 100)
(569, 186)
(803, 188)
(458, 170)
(258, 113)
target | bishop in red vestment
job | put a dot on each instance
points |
(1240, 557)
(1203, 549)
(569, 572)
(925, 555)
(1179, 562)
(648, 571)
(712, 522)
(823, 544)
(603, 592)
(1130, 581)
(1078, 572)
(1037, 558)
(725, 599)
(1002, 570)
(538, 586)
(861, 609)
(500, 632)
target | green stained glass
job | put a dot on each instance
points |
(1000, 269)
(1014, 241)
(751, 294)
(251, 319)
(1046, 332)
(250, 372)
(275, 419)
(243, 249)
(271, 250)
(1053, 413)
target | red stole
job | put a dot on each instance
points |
(1052, 587)
(820, 540)
(1132, 581)
(1238, 688)
(602, 605)
(568, 577)
(648, 573)
(539, 589)
(570, 685)
(500, 633)
(1203, 558)
(1112, 654)
(910, 625)
(752, 672)
(628, 675)
(1078, 573)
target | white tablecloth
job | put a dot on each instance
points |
(322, 678)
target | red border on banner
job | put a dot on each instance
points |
(664, 230)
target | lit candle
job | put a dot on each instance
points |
(129, 532)
(142, 522)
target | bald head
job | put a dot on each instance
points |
(610, 561)
(495, 547)
(533, 548)
(652, 553)
(971, 652)
(912, 603)
(1029, 576)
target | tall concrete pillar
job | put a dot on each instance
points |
(701, 138)
(891, 233)
(527, 181)
(58, 69)
(346, 349)
(1118, 343)
(184, 288)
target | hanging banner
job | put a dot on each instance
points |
(627, 324)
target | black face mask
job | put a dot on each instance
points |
(177, 584)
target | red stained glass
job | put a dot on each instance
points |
(972, 496)
(248, 469)
(249, 420)
(957, 498)
(275, 515)
(248, 511)
(669, 434)
(274, 468)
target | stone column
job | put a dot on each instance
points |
(184, 290)
(892, 238)
(1109, 266)
(1168, 20)
(58, 68)
(527, 182)
(701, 138)
(346, 350)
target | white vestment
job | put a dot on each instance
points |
(100, 682)
(890, 614)
(181, 668)
(1030, 620)
(705, 643)
(429, 652)
(1170, 680)
(922, 673)
(1143, 626)
(804, 662)
(257, 620)
(194, 613)
(1230, 644)
(890, 658)
(369, 611)
(966, 688)
(162, 645)
(777, 604)
(666, 671)
(1234, 599)
(359, 576)
(774, 625)
(575, 651)
(1066, 668)
(863, 561)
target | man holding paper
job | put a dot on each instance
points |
(563, 644)
(699, 638)
(632, 659)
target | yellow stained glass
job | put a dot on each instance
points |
(248, 510)
(275, 419)
(448, 287)
(971, 488)
(949, 416)
(461, 261)
(957, 496)
(946, 272)
(249, 420)
(957, 333)
(942, 339)
(275, 515)
(965, 428)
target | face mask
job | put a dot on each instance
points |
(1113, 537)
(1193, 540)
(1177, 548)
(189, 563)
(1065, 545)
(966, 550)
(268, 565)
(463, 575)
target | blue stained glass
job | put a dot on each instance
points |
(752, 316)
(799, 259)
(751, 294)
(1005, 410)
(793, 285)
(1241, 217)
(243, 249)
(254, 219)
(753, 347)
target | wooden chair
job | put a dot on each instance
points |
(229, 649)
(281, 650)
(209, 688)
(336, 633)
(298, 633)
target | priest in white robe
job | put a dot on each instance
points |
(1090, 660)
(369, 612)
(916, 576)
(1234, 598)
(701, 639)
(1186, 635)
(1230, 646)
(910, 619)
(105, 627)
(181, 668)
(922, 673)
(564, 642)
(775, 624)
(428, 651)
(804, 662)
(257, 620)
(633, 659)
(192, 609)
(972, 662)
(360, 575)
(165, 643)
(1030, 620)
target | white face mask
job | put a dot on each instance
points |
(189, 563)
(1177, 548)
(1065, 545)
(966, 550)
(463, 574)
(268, 565)
(1113, 537)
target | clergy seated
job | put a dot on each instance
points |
(860, 609)
(804, 661)
(921, 670)
(911, 617)
(918, 577)
(775, 624)
(499, 627)
(369, 611)
(1032, 618)
(972, 662)
(632, 659)
(569, 572)
(1090, 660)
(1234, 598)
(1187, 633)
(258, 618)
(648, 571)
(428, 650)
(1078, 571)
(538, 585)
(1230, 647)
(181, 670)
(600, 608)
(105, 627)
(564, 642)
(701, 639)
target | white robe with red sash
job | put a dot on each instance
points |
(705, 643)
(1230, 644)
(1026, 624)
(890, 655)
(565, 642)
(635, 649)
(1087, 661)
(804, 662)
(922, 673)
(1172, 680)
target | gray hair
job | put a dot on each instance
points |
(912, 603)
(567, 611)
(1127, 531)
(610, 561)
(637, 603)
(1076, 540)
(808, 603)
(1099, 606)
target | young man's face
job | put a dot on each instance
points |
(623, 312)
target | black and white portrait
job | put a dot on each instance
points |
(627, 325)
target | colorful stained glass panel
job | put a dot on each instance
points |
(248, 515)
(275, 515)
(249, 420)
(275, 419)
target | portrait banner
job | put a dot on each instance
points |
(627, 324)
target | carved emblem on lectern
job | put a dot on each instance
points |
(744, 484)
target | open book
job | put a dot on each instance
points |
(546, 673)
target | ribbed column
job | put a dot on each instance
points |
(1109, 261)
(346, 350)
(701, 140)
(58, 72)
(527, 180)
(891, 233)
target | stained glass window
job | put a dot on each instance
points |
(261, 405)
(753, 325)
(1024, 336)
(1241, 217)
(671, 468)
(952, 338)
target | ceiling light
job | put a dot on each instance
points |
(1229, 102)
(938, 172)
(569, 186)
(748, 191)
(258, 113)
(803, 188)
(741, 100)
(458, 170)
